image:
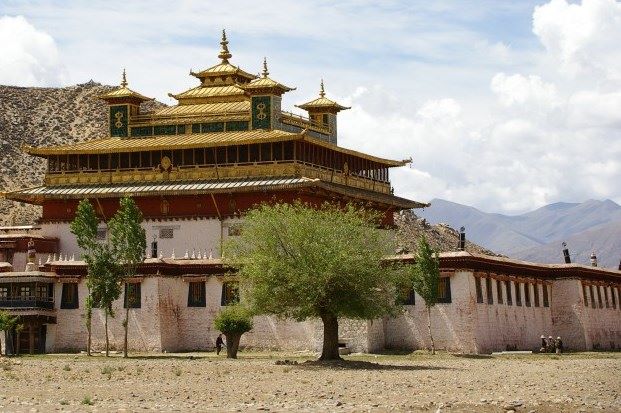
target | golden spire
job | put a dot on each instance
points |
(225, 55)
(123, 79)
(322, 92)
(265, 72)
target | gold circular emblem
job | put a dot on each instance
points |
(165, 162)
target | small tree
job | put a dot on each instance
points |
(425, 274)
(105, 284)
(233, 321)
(84, 227)
(7, 323)
(128, 242)
(301, 262)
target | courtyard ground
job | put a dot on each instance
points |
(260, 382)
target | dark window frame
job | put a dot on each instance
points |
(69, 296)
(479, 289)
(444, 290)
(508, 291)
(488, 290)
(518, 294)
(133, 298)
(197, 296)
(230, 293)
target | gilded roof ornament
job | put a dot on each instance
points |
(322, 92)
(265, 71)
(124, 79)
(225, 55)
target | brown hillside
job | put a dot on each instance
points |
(43, 116)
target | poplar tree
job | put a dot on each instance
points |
(84, 227)
(425, 275)
(299, 262)
(128, 243)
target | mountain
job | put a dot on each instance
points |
(44, 116)
(537, 235)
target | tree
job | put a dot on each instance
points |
(425, 274)
(128, 241)
(300, 262)
(105, 284)
(84, 227)
(233, 321)
(8, 323)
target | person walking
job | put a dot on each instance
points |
(219, 344)
(543, 344)
(558, 345)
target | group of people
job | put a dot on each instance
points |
(550, 345)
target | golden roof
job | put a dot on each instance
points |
(223, 68)
(123, 92)
(264, 82)
(210, 91)
(322, 102)
(222, 108)
(195, 140)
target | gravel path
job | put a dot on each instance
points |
(255, 382)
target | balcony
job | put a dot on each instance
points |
(42, 303)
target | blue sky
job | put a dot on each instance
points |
(503, 105)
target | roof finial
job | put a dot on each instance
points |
(322, 92)
(265, 72)
(124, 79)
(225, 55)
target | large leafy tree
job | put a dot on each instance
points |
(300, 262)
(425, 275)
(128, 243)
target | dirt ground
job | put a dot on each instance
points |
(259, 382)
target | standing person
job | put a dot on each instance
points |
(558, 345)
(550, 344)
(543, 344)
(219, 344)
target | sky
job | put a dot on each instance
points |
(503, 105)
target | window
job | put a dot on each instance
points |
(69, 299)
(606, 296)
(167, 232)
(527, 294)
(592, 291)
(234, 230)
(132, 295)
(612, 296)
(546, 300)
(508, 290)
(584, 295)
(444, 290)
(536, 294)
(4, 292)
(477, 283)
(499, 291)
(599, 296)
(24, 292)
(101, 234)
(196, 294)
(230, 293)
(488, 290)
(42, 291)
(408, 297)
(518, 294)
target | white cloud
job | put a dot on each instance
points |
(584, 37)
(518, 90)
(28, 57)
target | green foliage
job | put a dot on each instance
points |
(425, 273)
(84, 226)
(128, 239)
(233, 319)
(8, 322)
(105, 278)
(302, 262)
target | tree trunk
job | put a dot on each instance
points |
(433, 347)
(126, 325)
(330, 349)
(232, 345)
(106, 328)
(89, 325)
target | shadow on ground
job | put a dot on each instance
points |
(364, 365)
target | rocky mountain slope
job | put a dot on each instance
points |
(43, 116)
(537, 235)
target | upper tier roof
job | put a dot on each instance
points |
(322, 102)
(196, 140)
(210, 92)
(124, 92)
(224, 68)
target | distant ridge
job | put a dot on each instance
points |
(537, 235)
